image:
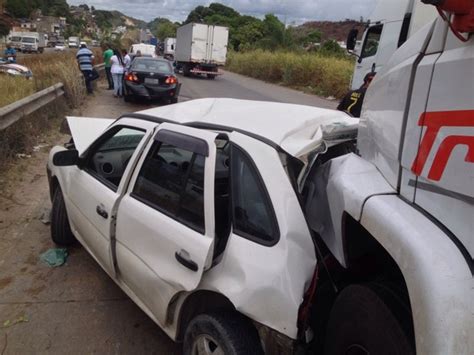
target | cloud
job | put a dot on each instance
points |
(297, 11)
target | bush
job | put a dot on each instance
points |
(319, 74)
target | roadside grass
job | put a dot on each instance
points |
(48, 69)
(309, 72)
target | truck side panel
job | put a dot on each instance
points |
(184, 43)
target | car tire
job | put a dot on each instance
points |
(369, 319)
(211, 76)
(173, 100)
(61, 233)
(128, 98)
(229, 332)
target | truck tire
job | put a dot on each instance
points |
(186, 70)
(61, 233)
(366, 319)
(226, 333)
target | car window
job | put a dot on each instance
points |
(151, 65)
(372, 40)
(171, 180)
(109, 158)
(253, 215)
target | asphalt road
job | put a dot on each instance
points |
(77, 308)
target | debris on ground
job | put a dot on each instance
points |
(38, 147)
(9, 323)
(23, 156)
(332, 98)
(45, 216)
(54, 257)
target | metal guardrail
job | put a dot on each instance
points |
(14, 112)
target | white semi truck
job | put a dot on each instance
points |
(201, 49)
(390, 25)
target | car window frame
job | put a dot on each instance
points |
(93, 148)
(381, 25)
(185, 146)
(135, 61)
(268, 201)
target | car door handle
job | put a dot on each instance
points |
(184, 259)
(101, 212)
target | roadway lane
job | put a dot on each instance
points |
(240, 87)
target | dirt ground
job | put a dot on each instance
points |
(75, 308)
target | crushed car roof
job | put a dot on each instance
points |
(297, 129)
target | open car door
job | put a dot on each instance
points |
(165, 221)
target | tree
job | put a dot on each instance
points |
(4, 29)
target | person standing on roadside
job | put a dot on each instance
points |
(117, 71)
(85, 60)
(127, 61)
(108, 53)
(352, 102)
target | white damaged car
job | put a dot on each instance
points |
(196, 210)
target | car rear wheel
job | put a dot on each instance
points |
(211, 76)
(221, 334)
(369, 319)
(61, 233)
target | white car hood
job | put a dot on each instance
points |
(85, 130)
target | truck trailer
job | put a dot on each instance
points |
(201, 49)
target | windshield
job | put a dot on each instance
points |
(28, 40)
(16, 39)
(151, 65)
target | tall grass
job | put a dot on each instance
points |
(321, 75)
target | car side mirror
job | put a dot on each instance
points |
(66, 158)
(352, 39)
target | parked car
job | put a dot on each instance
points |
(60, 47)
(150, 194)
(152, 79)
(15, 69)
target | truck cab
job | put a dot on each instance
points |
(390, 25)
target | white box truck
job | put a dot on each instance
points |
(169, 48)
(14, 39)
(33, 42)
(201, 49)
(73, 42)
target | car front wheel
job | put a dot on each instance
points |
(221, 334)
(61, 233)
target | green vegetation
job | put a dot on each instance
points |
(314, 73)
(163, 28)
(24, 8)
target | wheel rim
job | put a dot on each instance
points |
(206, 345)
(356, 349)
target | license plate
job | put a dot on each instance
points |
(151, 81)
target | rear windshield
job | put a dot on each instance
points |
(28, 40)
(151, 65)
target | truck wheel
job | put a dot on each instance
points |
(61, 233)
(222, 333)
(366, 319)
(186, 70)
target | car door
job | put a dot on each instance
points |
(165, 221)
(96, 186)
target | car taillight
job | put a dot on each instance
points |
(171, 80)
(131, 77)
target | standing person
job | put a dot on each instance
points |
(117, 71)
(127, 61)
(352, 102)
(85, 60)
(10, 54)
(108, 53)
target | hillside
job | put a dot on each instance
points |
(332, 30)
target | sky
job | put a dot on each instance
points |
(289, 11)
